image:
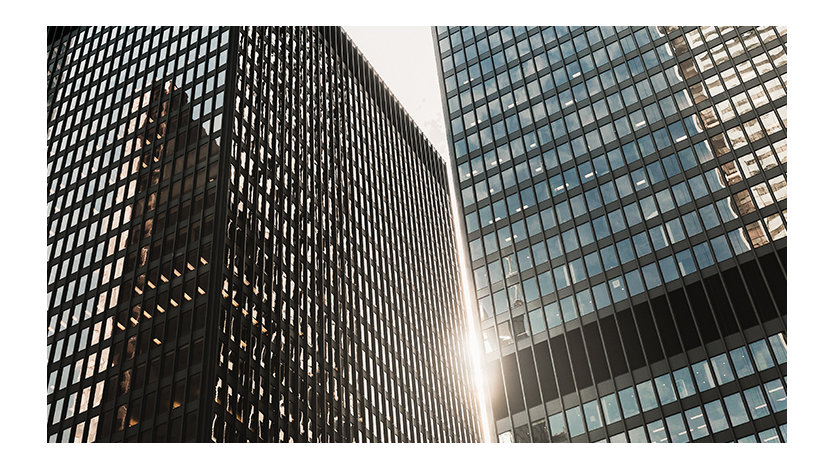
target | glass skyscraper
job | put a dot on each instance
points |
(248, 240)
(624, 198)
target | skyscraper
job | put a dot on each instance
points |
(249, 240)
(624, 198)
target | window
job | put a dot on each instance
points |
(651, 275)
(715, 414)
(537, 324)
(721, 248)
(703, 376)
(677, 429)
(601, 295)
(683, 382)
(721, 366)
(735, 408)
(780, 348)
(610, 409)
(539, 431)
(648, 401)
(575, 423)
(696, 423)
(741, 361)
(657, 431)
(592, 416)
(568, 308)
(558, 431)
(560, 274)
(546, 283)
(637, 434)
(629, 402)
(552, 316)
(577, 270)
(665, 390)
(761, 355)
(776, 395)
(756, 402)
(769, 436)
(635, 283)
(625, 250)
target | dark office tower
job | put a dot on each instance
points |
(249, 240)
(624, 198)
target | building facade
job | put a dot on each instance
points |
(624, 197)
(249, 240)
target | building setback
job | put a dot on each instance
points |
(249, 240)
(624, 198)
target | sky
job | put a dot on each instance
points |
(404, 57)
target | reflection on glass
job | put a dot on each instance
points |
(696, 422)
(637, 434)
(735, 408)
(780, 348)
(592, 416)
(610, 409)
(721, 366)
(629, 402)
(715, 414)
(776, 395)
(558, 430)
(756, 402)
(677, 429)
(665, 390)
(741, 361)
(657, 431)
(703, 376)
(575, 422)
(761, 355)
(646, 393)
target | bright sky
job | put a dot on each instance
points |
(404, 57)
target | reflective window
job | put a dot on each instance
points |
(677, 429)
(629, 402)
(618, 438)
(665, 390)
(741, 361)
(558, 430)
(776, 395)
(522, 434)
(735, 408)
(592, 416)
(610, 408)
(756, 402)
(721, 366)
(552, 315)
(647, 397)
(761, 355)
(696, 422)
(703, 376)
(715, 414)
(537, 324)
(637, 434)
(780, 348)
(657, 431)
(575, 422)
(769, 436)
(539, 431)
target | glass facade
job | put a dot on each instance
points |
(249, 240)
(623, 191)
